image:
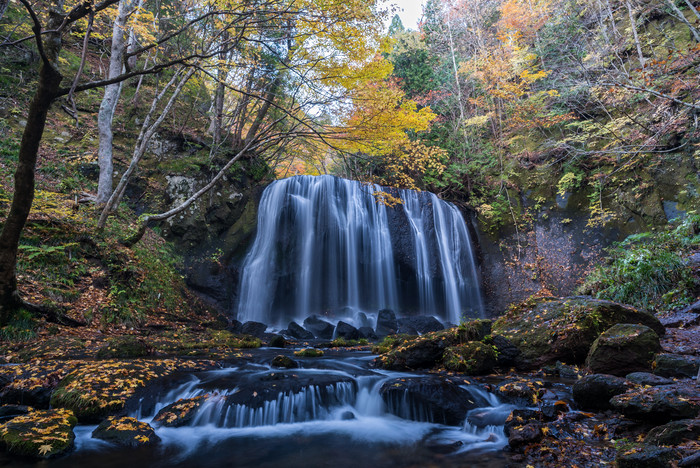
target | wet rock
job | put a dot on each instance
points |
(528, 434)
(647, 378)
(297, 331)
(674, 433)
(646, 457)
(472, 358)
(320, 328)
(348, 416)
(256, 329)
(681, 319)
(521, 391)
(520, 417)
(182, 412)
(593, 392)
(346, 331)
(422, 353)
(407, 330)
(125, 347)
(126, 431)
(386, 323)
(624, 348)
(550, 329)
(690, 461)
(39, 434)
(474, 330)
(363, 320)
(284, 362)
(367, 333)
(277, 341)
(508, 354)
(567, 372)
(10, 411)
(660, 404)
(421, 324)
(235, 326)
(309, 352)
(430, 399)
(676, 365)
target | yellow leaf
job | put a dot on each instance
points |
(44, 449)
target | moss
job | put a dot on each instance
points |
(126, 431)
(39, 434)
(284, 362)
(181, 412)
(309, 352)
(125, 347)
(471, 358)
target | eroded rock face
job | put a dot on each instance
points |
(624, 348)
(126, 431)
(552, 329)
(661, 404)
(593, 392)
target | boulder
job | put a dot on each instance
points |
(421, 324)
(125, 347)
(422, 353)
(520, 417)
(660, 404)
(474, 330)
(181, 413)
(674, 433)
(39, 434)
(126, 431)
(386, 323)
(234, 326)
(284, 362)
(367, 333)
(551, 329)
(256, 329)
(430, 399)
(647, 378)
(507, 353)
(646, 457)
(277, 341)
(10, 411)
(521, 391)
(472, 358)
(297, 331)
(624, 348)
(527, 434)
(346, 331)
(320, 328)
(676, 365)
(593, 392)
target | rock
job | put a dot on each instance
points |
(277, 341)
(126, 431)
(646, 457)
(363, 320)
(421, 324)
(347, 416)
(346, 331)
(695, 307)
(309, 352)
(407, 329)
(550, 329)
(125, 347)
(676, 365)
(528, 434)
(508, 354)
(297, 331)
(422, 353)
(284, 362)
(10, 411)
(367, 333)
(39, 434)
(567, 372)
(234, 326)
(520, 417)
(593, 392)
(646, 378)
(690, 461)
(680, 319)
(474, 330)
(386, 323)
(472, 358)
(659, 404)
(256, 329)
(430, 399)
(624, 348)
(320, 328)
(182, 412)
(521, 391)
(674, 433)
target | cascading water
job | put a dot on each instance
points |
(326, 246)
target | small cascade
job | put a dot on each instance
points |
(326, 246)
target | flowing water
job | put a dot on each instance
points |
(326, 246)
(334, 411)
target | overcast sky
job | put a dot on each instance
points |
(410, 12)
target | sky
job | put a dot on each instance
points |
(412, 11)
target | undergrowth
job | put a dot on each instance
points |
(650, 270)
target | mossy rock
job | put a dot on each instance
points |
(659, 404)
(39, 434)
(550, 329)
(472, 358)
(622, 349)
(125, 347)
(181, 413)
(674, 433)
(284, 362)
(309, 352)
(521, 391)
(126, 431)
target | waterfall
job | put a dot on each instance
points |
(326, 246)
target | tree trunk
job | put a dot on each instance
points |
(109, 103)
(682, 17)
(47, 88)
(633, 25)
